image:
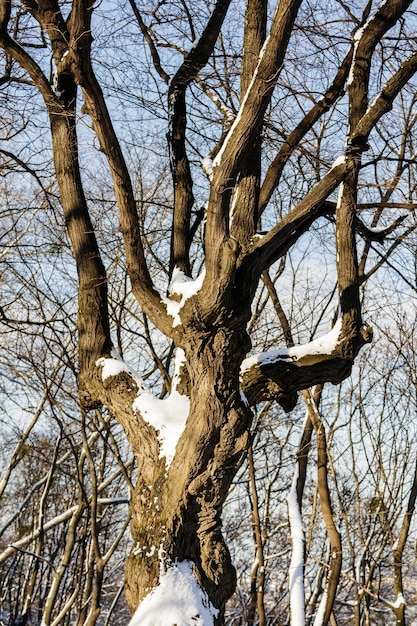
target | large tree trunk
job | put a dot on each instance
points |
(181, 513)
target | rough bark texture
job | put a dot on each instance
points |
(186, 523)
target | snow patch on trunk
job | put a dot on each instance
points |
(207, 165)
(115, 365)
(167, 416)
(183, 286)
(318, 621)
(400, 601)
(177, 600)
(339, 161)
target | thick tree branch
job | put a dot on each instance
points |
(78, 63)
(278, 374)
(373, 234)
(366, 40)
(258, 95)
(11, 47)
(383, 101)
(193, 63)
(270, 247)
(49, 16)
(93, 319)
(243, 213)
(242, 134)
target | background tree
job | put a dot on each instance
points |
(279, 105)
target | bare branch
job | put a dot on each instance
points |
(153, 50)
(273, 174)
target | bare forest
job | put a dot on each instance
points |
(208, 361)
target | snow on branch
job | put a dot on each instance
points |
(324, 345)
(184, 287)
(296, 570)
(374, 233)
(114, 365)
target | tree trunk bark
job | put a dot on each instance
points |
(179, 517)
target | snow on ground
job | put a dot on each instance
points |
(322, 345)
(178, 600)
(182, 286)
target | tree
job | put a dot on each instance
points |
(189, 445)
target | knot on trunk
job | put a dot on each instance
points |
(231, 247)
(218, 575)
(366, 333)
